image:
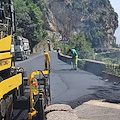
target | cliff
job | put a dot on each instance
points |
(96, 18)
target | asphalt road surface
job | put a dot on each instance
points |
(72, 87)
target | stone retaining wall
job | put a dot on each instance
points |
(93, 66)
(110, 77)
(60, 112)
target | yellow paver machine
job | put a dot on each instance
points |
(42, 92)
(12, 82)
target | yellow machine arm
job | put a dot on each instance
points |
(33, 112)
(10, 84)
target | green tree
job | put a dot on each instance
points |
(96, 36)
(82, 46)
(29, 21)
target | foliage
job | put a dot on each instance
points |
(41, 3)
(99, 50)
(55, 43)
(95, 19)
(110, 60)
(99, 57)
(104, 2)
(29, 20)
(77, 5)
(82, 46)
(30, 23)
(115, 69)
(90, 9)
(81, 64)
(114, 45)
(65, 48)
(95, 35)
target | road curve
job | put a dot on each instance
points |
(73, 87)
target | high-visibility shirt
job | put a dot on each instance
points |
(74, 52)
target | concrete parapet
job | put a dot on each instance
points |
(110, 77)
(65, 58)
(93, 66)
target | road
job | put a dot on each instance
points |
(69, 85)
(73, 87)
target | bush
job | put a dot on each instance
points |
(81, 64)
(115, 69)
(82, 46)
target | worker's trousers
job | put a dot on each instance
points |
(75, 62)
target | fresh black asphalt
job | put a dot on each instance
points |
(73, 87)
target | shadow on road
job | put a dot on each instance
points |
(106, 93)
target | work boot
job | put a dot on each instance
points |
(75, 68)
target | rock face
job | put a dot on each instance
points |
(69, 17)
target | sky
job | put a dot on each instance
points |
(116, 5)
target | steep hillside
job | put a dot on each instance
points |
(96, 18)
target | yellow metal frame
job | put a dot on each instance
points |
(33, 112)
(10, 84)
(5, 43)
(5, 60)
(5, 56)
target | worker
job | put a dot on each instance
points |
(58, 49)
(74, 58)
